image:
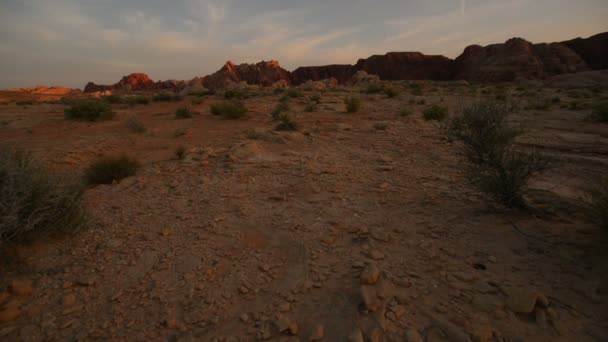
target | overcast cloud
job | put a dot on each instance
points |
(70, 42)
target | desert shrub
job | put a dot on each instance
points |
(540, 104)
(380, 126)
(286, 123)
(416, 89)
(373, 89)
(35, 202)
(25, 102)
(237, 94)
(495, 167)
(435, 112)
(89, 110)
(278, 91)
(599, 112)
(135, 125)
(108, 169)
(316, 98)
(281, 107)
(113, 99)
(229, 109)
(292, 93)
(422, 101)
(184, 113)
(405, 112)
(201, 92)
(167, 97)
(197, 101)
(180, 152)
(391, 92)
(137, 99)
(353, 104)
(311, 107)
(596, 200)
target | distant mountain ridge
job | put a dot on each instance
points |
(515, 59)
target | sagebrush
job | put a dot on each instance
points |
(109, 169)
(89, 110)
(34, 201)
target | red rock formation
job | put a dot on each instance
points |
(262, 73)
(517, 58)
(341, 72)
(594, 50)
(132, 82)
(407, 66)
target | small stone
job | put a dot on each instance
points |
(318, 333)
(399, 311)
(85, 282)
(376, 254)
(284, 307)
(21, 288)
(412, 335)
(542, 301)
(551, 314)
(243, 290)
(355, 336)
(540, 316)
(287, 324)
(244, 318)
(265, 267)
(522, 300)
(370, 298)
(370, 274)
(114, 243)
(10, 312)
(68, 300)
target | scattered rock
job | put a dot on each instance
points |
(318, 333)
(370, 298)
(370, 274)
(286, 324)
(412, 335)
(68, 300)
(21, 288)
(375, 254)
(522, 300)
(114, 243)
(10, 312)
(244, 318)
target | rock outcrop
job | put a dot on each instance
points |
(594, 50)
(263, 73)
(132, 82)
(516, 59)
(341, 72)
(407, 66)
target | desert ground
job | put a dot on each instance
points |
(358, 226)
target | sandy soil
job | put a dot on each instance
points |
(340, 231)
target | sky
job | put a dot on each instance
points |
(71, 42)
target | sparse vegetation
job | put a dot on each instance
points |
(373, 89)
(311, 107)
(35, 202)
(391, 92)
(596, 200)
(316, 98)
(184, 113)
(380, 126)
(292, 93)
(416, 89)
(353, 104)
(180, 152)
(405, 112)
(281, 107)
(108, 169)
(495, 167)
(229, 109)
(286, 123)
(89, 110)
(25, 102)
(435, 112)
(236, 94)
(197, 101)
(167, 97)
(135, 125)
(599, 112)
(128, 100)
(179, 132)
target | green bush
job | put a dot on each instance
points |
(435, 112)
(34, 201)
(229, 109)
(416, 89)
(316, 98)
(292, 93)
(353, 104)
(374, 89)
(184, 113)
(599, 112)
(89, 110)
(108, 169)
(495, 167)
(135, 100)
(311, 107)
(405, 112)
(237, 94)
(380, 126)
(391, 92)
(286, 123)
(281, 107)
(197, 101)
(597, 202)
(135, 125)
(167, 97)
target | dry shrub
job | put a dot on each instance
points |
(35, 202)
(495, 167)
(108, 169)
